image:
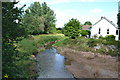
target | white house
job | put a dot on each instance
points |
(105, 27)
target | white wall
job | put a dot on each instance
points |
(103, 25)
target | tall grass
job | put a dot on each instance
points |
(33, 43)
(26, 48)
(85, 44)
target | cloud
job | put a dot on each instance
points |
(40, 0)
(87, 0)
(96, 10)
(61, 17)
(115, 12)
(68, 1)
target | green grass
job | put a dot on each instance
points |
(28, 46)
(85, 44)
(33, 43)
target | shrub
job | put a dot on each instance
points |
(95, 36)
(71, 32)
(59, 31)
(72, 28)
(110, 37)
(85, 32)
(101, 37)
(92, 43)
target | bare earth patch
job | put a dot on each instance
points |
(89, 65)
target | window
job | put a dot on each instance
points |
(107, 31)
(99, 31)
(116, 32)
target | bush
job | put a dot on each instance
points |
(101, 37)
(92, 43)
(72, 28)
(71, 32)
(85, 32)
(59, 31)
(110, 37)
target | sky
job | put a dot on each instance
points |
(82, 10)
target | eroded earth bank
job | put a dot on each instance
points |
(89, 65)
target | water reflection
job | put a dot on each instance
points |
(51, 65)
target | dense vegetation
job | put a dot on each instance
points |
(38, 43)
(85, 32)
(20, 38)
(39, 18)
(102, 46)
(87, 23)
(12, 60)
(72, 28)
(17, 46)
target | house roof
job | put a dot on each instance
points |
(106, 20)
(86, 27)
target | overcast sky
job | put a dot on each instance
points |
(83, 10)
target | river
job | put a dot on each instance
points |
(51, 65)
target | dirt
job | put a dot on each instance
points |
(89, 65)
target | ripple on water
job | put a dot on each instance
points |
(51, 65)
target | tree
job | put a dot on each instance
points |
(39, 18)
(87, 23)
(84, 32)
(49, 16)
(33, 20)
(59, 30)
(53, 30)
(12, 32)
(72, 28)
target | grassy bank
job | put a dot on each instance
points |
(91, 45)
(90, 58)
(30, 46)
(34, 44)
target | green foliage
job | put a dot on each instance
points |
(15, 64)
(110, 37)
(95, 36)
(84, 44)
(92, 43)
(101, 37)
(84, 32)
(27, 46)
(72, 28)
(59, 30)
(53, 30)
(10, 28)
(87, 23)
(38, 18)
(31, 46)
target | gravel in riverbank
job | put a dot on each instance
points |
(90, 65)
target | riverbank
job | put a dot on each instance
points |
(29, 48)
(88, 64)
(50, 64)
(90, 58)
(83, 58)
